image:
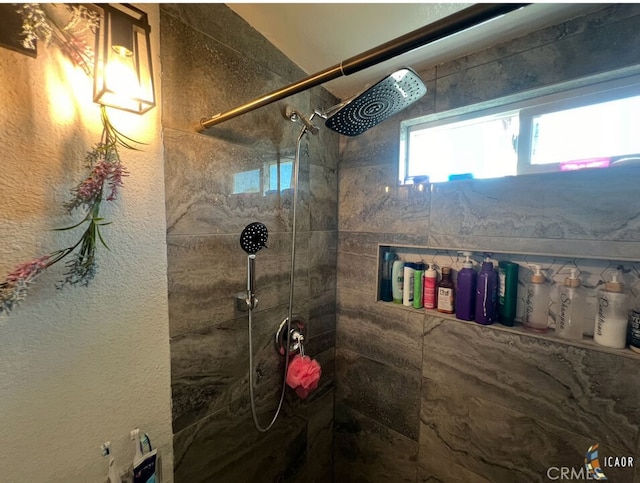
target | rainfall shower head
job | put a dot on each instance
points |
(381, 101)
(254, 237)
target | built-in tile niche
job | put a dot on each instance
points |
(593, 273)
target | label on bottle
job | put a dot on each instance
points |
(502, 285)
(565, 307)
(445, 299)
(634, 329)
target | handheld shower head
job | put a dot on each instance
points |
(254, 237)
(294, 116)
(381, 101)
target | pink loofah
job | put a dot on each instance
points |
(303, 375)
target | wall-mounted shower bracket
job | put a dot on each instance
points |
(244, 302)
(295, 336)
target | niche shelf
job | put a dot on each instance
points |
(593, 273)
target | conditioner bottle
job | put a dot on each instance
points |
(612, 314)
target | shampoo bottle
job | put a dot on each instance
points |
(429, 288)
(418, 280)
(571, 302)
(386, 290)
(466, 290)
(612, 315)
(537, 310)
(507, 292)
(397, 281)
(407, 289)
(487, 294)
(446, 294)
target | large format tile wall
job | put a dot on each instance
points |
(212, 61)
(429, 398)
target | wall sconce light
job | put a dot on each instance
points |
(123, 76)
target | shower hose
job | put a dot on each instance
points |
(296, 169)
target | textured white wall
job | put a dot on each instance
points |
(83, 365)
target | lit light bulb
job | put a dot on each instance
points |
(121, 76)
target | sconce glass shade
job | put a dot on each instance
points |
(123, 75)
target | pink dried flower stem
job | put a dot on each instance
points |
(106, 174)
(17, 282)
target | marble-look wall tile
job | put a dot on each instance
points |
(324, 148)
(322, 313)
(599, 50)
(371, 201)
(224, 25)
(468, 438)
(202, 77)
(541, 206)
(319, 468)
(323, 198)
(322, 262)
(387, 394)
(557, 217)
(567, 386)
(375, 330)
(358, 273)
(593, 17)
(366, 451)
(200, 191)
(226, 448)
(206, 272)
(614, 250)
(209, 367)
(366, 244)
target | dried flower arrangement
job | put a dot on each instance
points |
(106, 170)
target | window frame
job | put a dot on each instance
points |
(576, 93)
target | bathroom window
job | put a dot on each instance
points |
(279, 176)
(590, 126)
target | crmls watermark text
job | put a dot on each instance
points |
(581, 473)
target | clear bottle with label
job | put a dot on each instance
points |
(430, 282)
(537, 310)
(445, 294)
(612, 315)
(571, 306)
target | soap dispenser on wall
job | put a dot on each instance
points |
(537, 309)
(612, 314)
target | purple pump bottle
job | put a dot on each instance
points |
(466, 290)
(487, 294)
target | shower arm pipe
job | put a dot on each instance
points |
(445, 27)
